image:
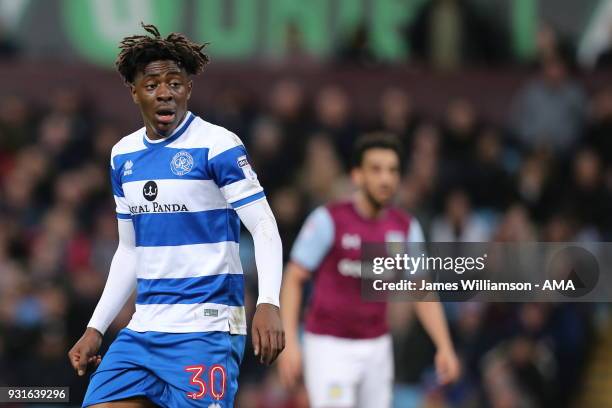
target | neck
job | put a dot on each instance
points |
(366, 206)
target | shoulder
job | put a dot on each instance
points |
(321, 213)
(401, 217)
(204, 135)
(409, 223)
(128, 144)
(220, 139)
(399, 214)
(338, 207)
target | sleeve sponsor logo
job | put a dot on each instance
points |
(248, 171)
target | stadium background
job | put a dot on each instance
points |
(504, 108)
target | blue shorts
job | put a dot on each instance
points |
(170, 369)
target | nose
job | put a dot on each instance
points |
(163, 93)
(387, 179)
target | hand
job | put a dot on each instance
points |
(290, 364)
(447, 366)
(83, 353)
(268, 334)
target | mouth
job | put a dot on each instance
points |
(165, 116)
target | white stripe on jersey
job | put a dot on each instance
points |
(122, 206)
(197, 195)
(189, 261)
(241, 189)
(188, 318)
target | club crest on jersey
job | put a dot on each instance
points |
(181, 163)
(248, 171)
(127, 168)
(351, 241)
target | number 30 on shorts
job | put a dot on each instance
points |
(198, 378)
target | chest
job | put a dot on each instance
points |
(169, 180)
(352, 235)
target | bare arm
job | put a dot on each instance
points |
(311, 246)
(290, 362)
(431, 316)
(291, 299)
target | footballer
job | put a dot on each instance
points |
(347, 357)
(182, 186)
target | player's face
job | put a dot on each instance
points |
(162, 90)
(379, 175)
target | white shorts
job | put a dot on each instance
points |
(343, 372)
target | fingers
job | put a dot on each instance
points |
(256, 341)
(277, 344)
(265, 347)
(74, 359)
(280, 343)
(274, 344)
(268, 344)
(79, 361)
(448, 370)
(82, 366)
(443, 376)
(441, 370)
(95, 360)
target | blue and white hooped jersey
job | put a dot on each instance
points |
(181, 194)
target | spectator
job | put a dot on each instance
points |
(549, 111)
(599, 131)
(332, 110)
(8, 46)
(397, 115)
(587, 186)
(449, 34)
(458, 224)
(356, 49)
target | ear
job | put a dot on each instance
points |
(134, 94)
(189, 87)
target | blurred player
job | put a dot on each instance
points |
(348, 357)
(182, 186)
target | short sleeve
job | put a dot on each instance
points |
(416, 242)
(415, 232)
(122, 207)
(229, 167)
(314, 240)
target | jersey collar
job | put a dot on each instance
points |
(180, 129)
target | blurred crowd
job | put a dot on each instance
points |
(544, 174)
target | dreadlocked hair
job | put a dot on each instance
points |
(138, 50)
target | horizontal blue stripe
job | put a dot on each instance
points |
(225, 289)
(250, 199)
(124, 216)
(154, 164)
(186, 228)
(224, 167)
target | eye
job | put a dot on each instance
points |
(175, 84)
(150, 87)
